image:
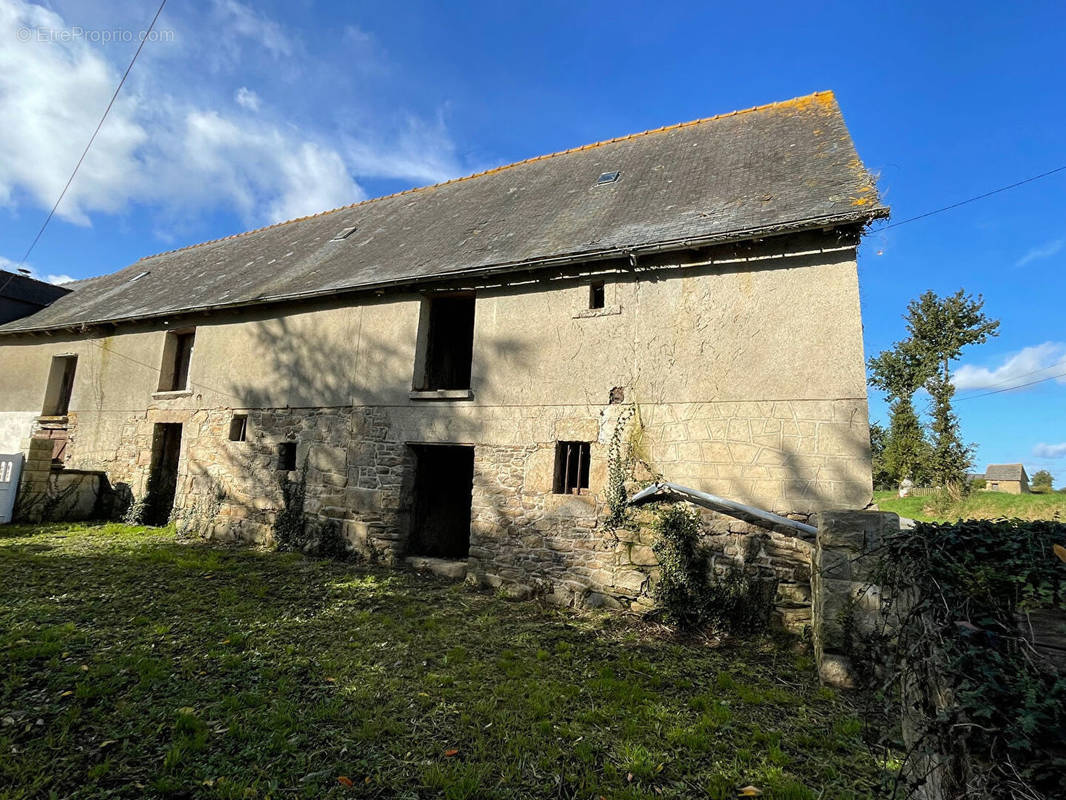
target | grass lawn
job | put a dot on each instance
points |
(976, 505)
(134, 665)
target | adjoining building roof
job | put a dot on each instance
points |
(771, 169)
(1006, 472)
(21, 295)
(16, 286)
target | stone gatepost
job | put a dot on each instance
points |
(35, 483)
(844, 600)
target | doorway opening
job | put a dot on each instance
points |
(443, 488)
(163, 478)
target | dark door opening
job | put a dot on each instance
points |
(444, 481)
(163, 478)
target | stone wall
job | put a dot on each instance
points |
(48, 494)
(524, 538)
(845, 602)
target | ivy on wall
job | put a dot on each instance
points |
(987, 709)
(694, 592)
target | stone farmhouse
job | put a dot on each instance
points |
(1009, 478)
(448, 372)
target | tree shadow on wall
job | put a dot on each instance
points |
(344, 392)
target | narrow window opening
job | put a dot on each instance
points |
(287, 456)
(449, 343)
(60, 386)
(177, 356)
(571, 467)
(597, 295)
(238, 428)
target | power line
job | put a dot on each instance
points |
(159, 370)
(1012, 388)
(1006, 384)
(972, 199)
(92, 139)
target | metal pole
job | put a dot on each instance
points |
(715, 503)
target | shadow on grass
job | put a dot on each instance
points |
(134, 665)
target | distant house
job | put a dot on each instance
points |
(1009, 478)
(21, 295)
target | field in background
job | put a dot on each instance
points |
(941, 507)
(132, 665)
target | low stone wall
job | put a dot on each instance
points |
(778, 555)
(48, 494)
(845, 602)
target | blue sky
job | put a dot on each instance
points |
(241, 115)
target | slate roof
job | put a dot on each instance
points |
(775, 168)
(25, 289)
(1005, 472)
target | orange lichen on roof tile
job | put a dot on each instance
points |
(817, 100)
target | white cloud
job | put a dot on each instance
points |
(237, 18)
(420, 151)
(1031, 364)
(1050, 450)
(12, 266)
(1041, 252)
(167, 147)
(246, 98)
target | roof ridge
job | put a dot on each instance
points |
(824, 96)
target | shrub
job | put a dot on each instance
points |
(694, 592)
(977, 693)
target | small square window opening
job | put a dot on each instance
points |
(238, 428)
(571, 468)
(597, 295)
(287, 456)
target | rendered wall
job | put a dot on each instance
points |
(747, 373)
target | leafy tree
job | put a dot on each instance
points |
(899, 372)
(1041, 480)
(940, 327)
(907, 451)
(879, 439)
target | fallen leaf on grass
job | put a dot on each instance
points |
(344, 780)
(1060, 551)
(749, 791)
(451, 753)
